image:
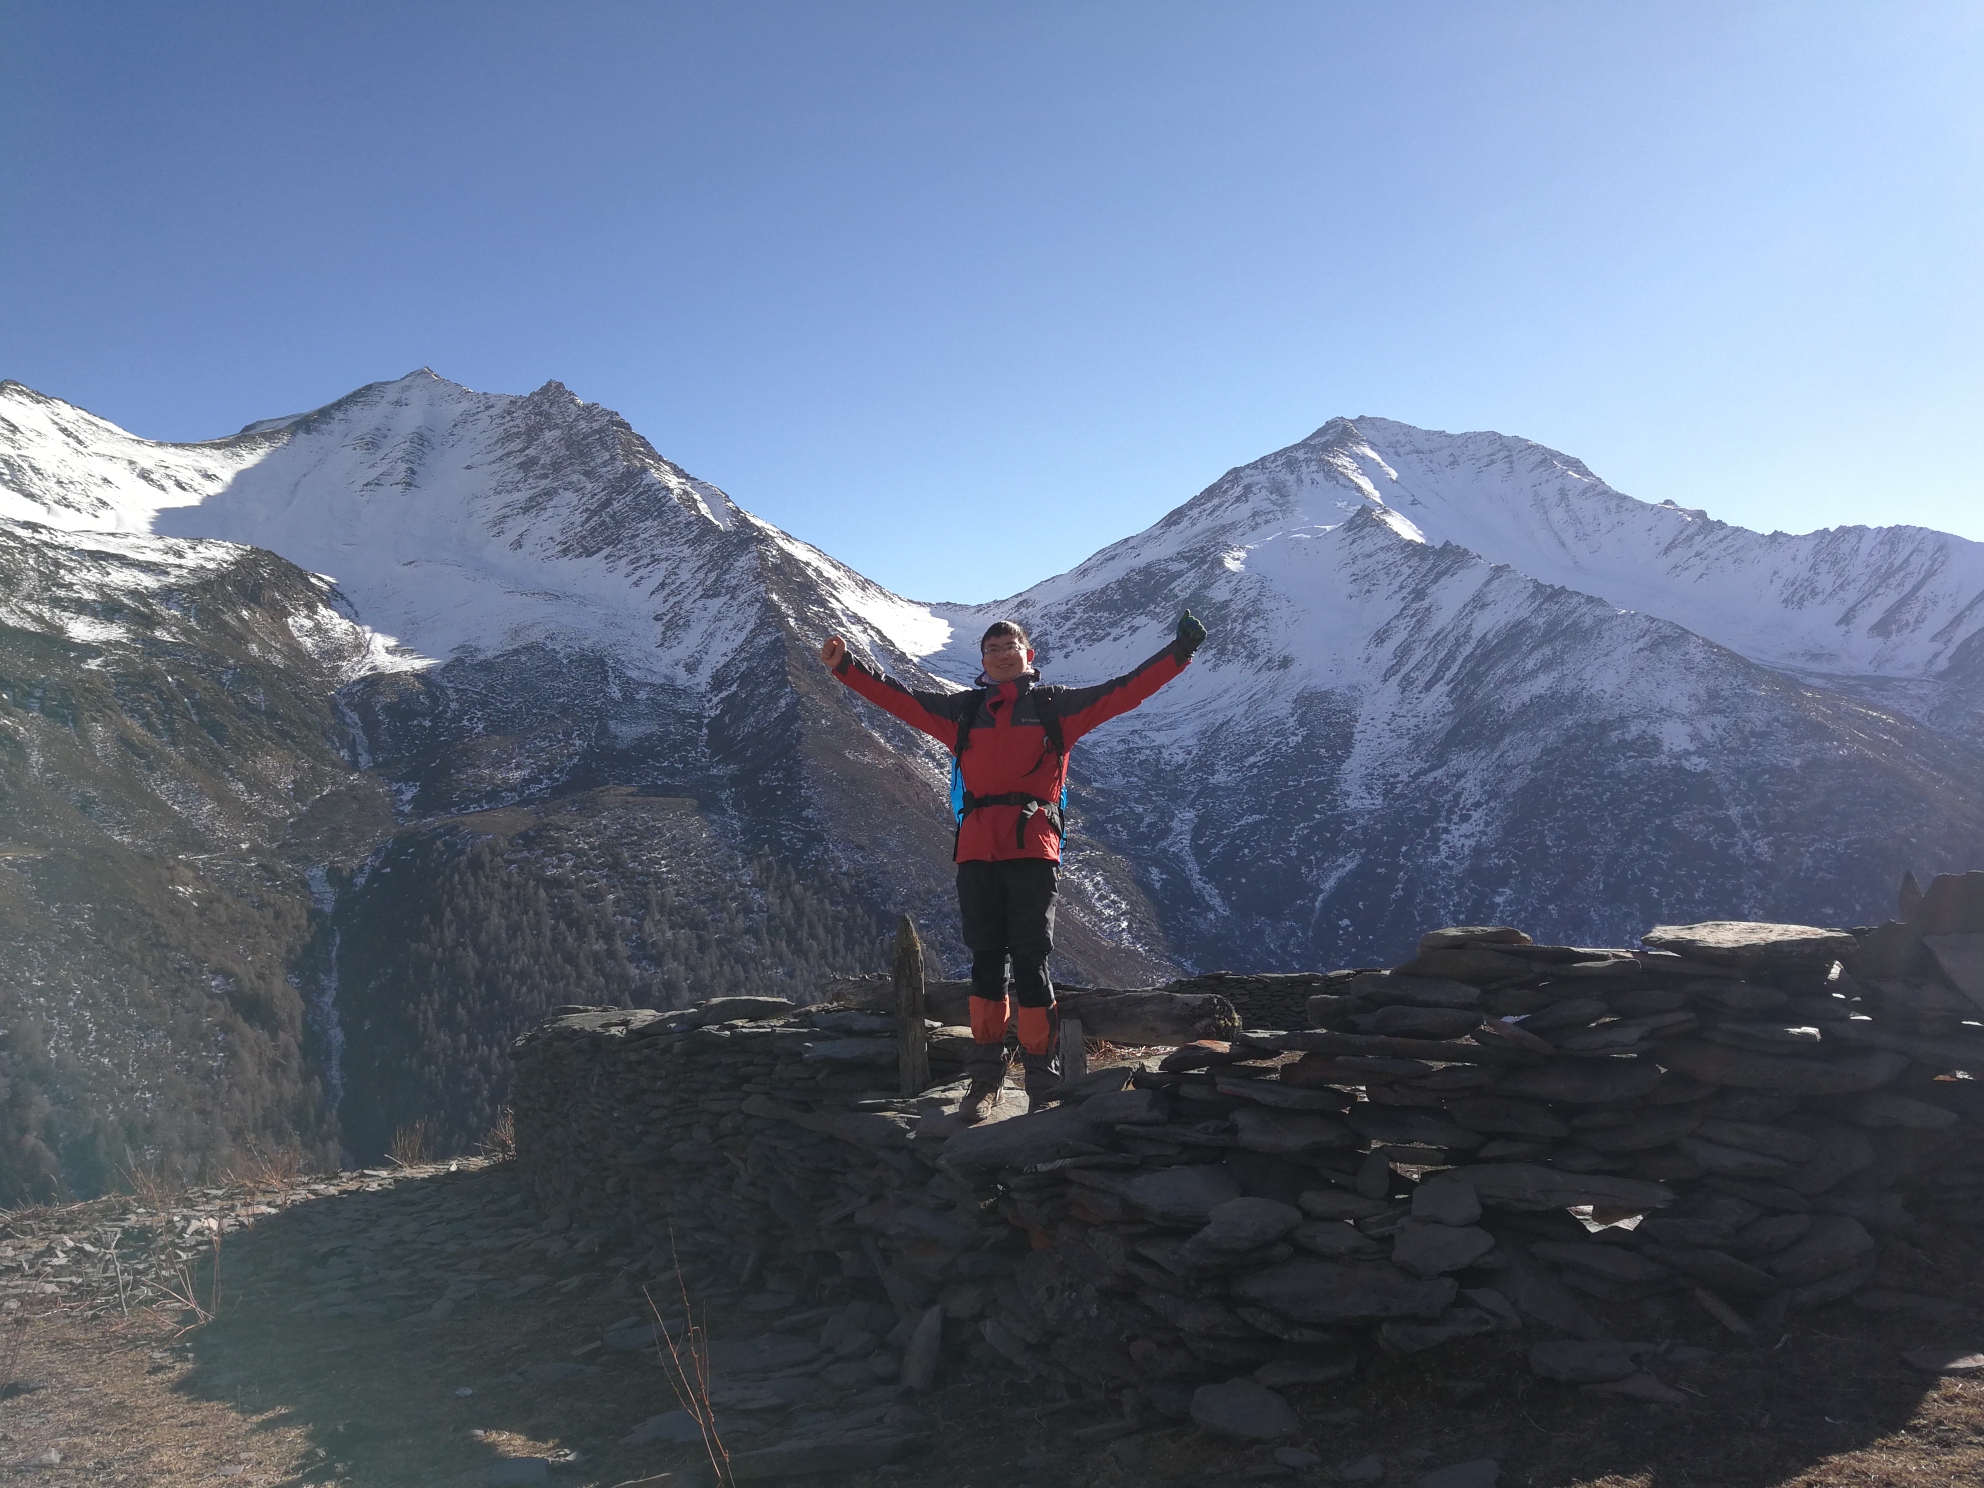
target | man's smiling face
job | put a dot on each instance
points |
(1005, 658)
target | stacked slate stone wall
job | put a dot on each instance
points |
(1565, 1145)
(1274, 1000)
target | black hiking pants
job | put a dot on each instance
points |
(1008, 914)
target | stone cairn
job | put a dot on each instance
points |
(1561, 1143)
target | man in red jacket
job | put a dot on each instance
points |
(1011, 736)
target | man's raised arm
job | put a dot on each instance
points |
(936, 713)
(1082, 708)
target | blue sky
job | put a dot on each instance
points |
(964, 292)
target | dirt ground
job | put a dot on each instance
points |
(313, 1371)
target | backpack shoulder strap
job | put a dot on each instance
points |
(1047, 707)
(967, 715)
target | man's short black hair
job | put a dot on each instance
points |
(1002, 628)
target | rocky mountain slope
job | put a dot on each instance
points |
(551, 730)
(571, 744)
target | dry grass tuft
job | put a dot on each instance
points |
(268, 1167)
(499, 1143)
(155, 1185)
(184, 1288)
(412, 1145)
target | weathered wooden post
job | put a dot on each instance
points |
(912, 1047)
(1074, 1050)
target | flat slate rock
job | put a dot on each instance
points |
(1334, 1239)
(1449, 1327)
(1370, 1045)
(1886, 1109)
(676, 1428)
(1289, 1133)
(1388, 989)
(1244, 1410)
(1403, 1021)
(1182, 1195)
(1446, 1202)
(1578, 1363)
(1316, 1291)
(1656, 1128)
(1961, 958)
(1640, 1386)
(1530, 1186)
(1334, 1203)
(1322, 1370)
(1132, 1107)
(1732, 1162)
(1246, 1224)
(1426, 1247)
(1720, 1064)
(765, 1353)
(1752, 943)
(1480, 965)
(1940, 1309)
(1282, 1096)
(1612, 1262)
(1719, 1269)
(1498, 1116)
(851, 1051)
(853, 1452)
(1832, 1243)
(1412, 1125)
(1020, 1141)
(1483, 1472)
(740, 1009)
(1454, 936)
(1946, 1360)
(1583, 1082)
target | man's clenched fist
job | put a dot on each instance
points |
(832, 652)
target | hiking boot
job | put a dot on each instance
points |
(978, 1103)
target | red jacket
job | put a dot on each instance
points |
(1008, 751)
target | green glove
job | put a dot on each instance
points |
(1191, 634)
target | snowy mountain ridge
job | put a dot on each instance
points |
(430, 705)
(1879, 601)
(456, 522)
